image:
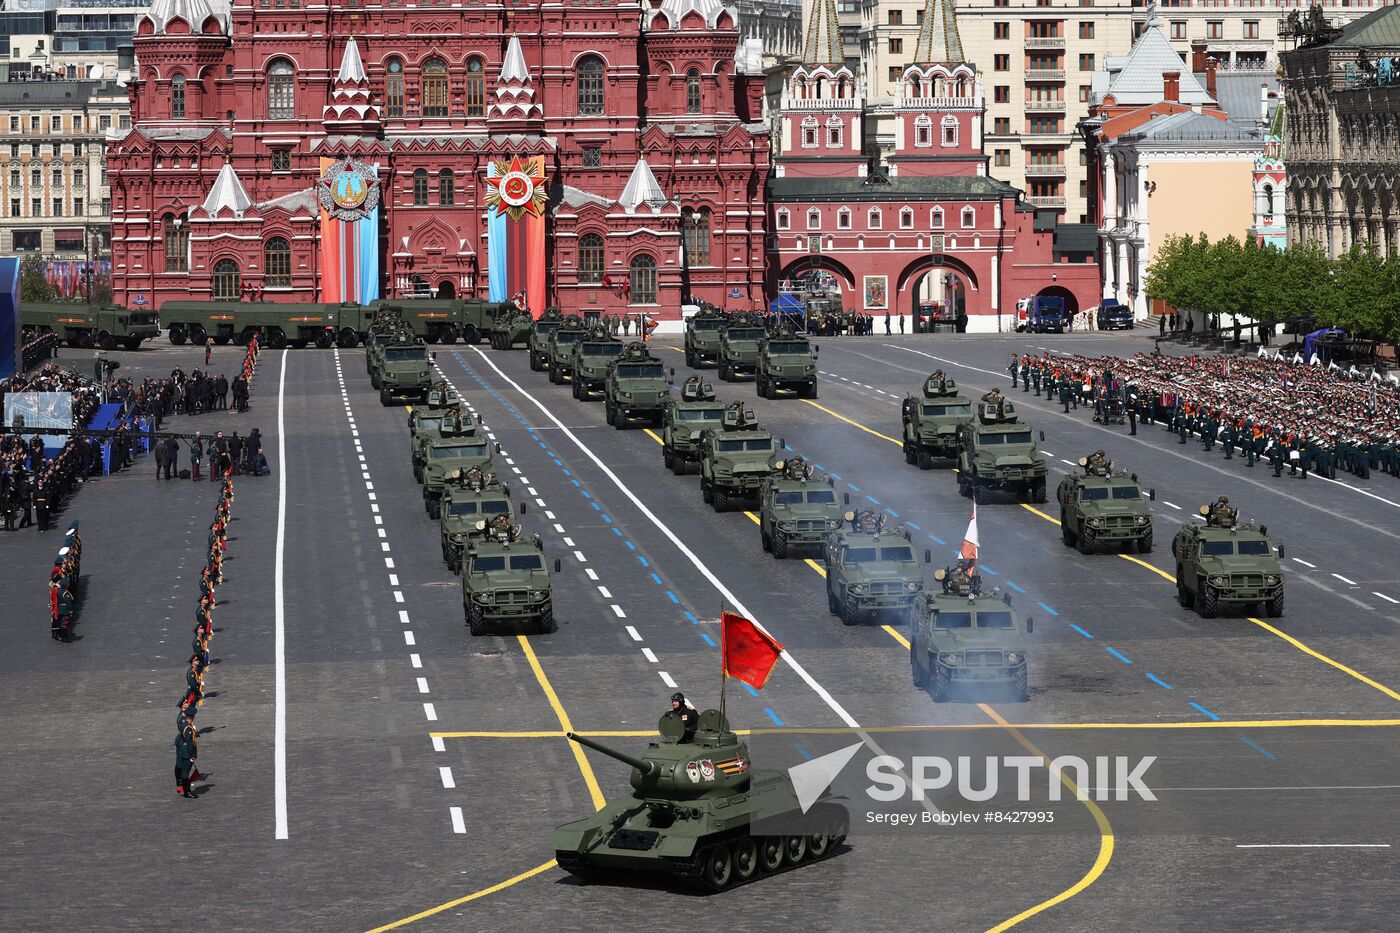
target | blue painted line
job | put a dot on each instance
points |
(1159, 681)
(751, 690)
(691, 616)
(1080, 630)
(987, 569)
(543, 446)
(1014, 587)
(575, 482)
(708, 640)
(607, 518)
(937, 539)
(1263, 751)
(672, 597)
(1047, 609)
(914, 526)
(855, 487)
(817, 466)
(836, 477)
(567, 473)
(870, 498)
(803, 752)
(1117, 654)
(596, 507)
(617, 531)
(655, 579)
(1205, 712)
(644, 561)
(586, 494)
(772, 715)
(631, 546)
(893, 513)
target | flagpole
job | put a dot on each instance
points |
(723, 674)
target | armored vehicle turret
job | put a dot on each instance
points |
(786, 362)
(870, 571)
(738, 346)
(1104, 507)
(589, 362)
(1224, 564)
(997, 451)
(468, 497)
(932, 419)
(736, 458)
(561, 348)
(702, 336)
(694, 812)
(505, 580)
(635, 387)
(961, 638)
(796, 511)
(541, 330)
(456, 448)
(683, 421)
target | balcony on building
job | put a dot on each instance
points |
(1044, 42)
(1045, 74)
(1051, 201)
(1052, 106)
(1045, 170)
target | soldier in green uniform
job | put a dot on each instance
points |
(186, 753)
(66, 606)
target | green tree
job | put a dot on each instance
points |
(34, 280)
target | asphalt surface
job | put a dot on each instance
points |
(395, 807)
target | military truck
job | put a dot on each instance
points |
(84, 326)
(702, 336)
(404, 372)
(786, 362)
(735, 459)
(684, 420)
(1104, 507)
(931, 423)
(444, 320)
(871, 573)
(468, 497)
(537, 343)
(589, 362)
(1223, 564)
(998, 452)
(738, 346)
(457, 448)
(796, 513)
(277, 324)
(635, 387)
(505, 580)
(511, 327)
(561, 348)
(699, 812)
(964, 639)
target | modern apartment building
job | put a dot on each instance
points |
(74, 39)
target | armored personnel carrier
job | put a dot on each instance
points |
(510, 327)
(635, 387)
(695, 806)
(537, 342)
(964, 639)
(702, 336)
(505, 580)
(561, 348)
(1223, 564)
(1102, 507)
(589, 362)
(738, 346)
(735, 459)
(456, 448)
(795, 512)
(469, 496)
(684, 420)
(870, 572)
(998, 452)
(786, 362)
(931, 422)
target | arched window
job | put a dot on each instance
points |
(281, 91)
(936, 219)
(873, 221)
(834, 128)
(420, 187)
(177, 244)
(1268, 204)
(177, 97)
(923, 130)
(393, 89)
(916, 88)
(950, 130)
(445, 193)
(476, 88)
(277, 263)
(783, 218)
(969, 218)
(590, 259)
(227, 283)
(434, 88)
(906, 218)
(843, 219)
(697, 237)
(814, 219)
(692, 91)
(590, 92)
(809, 132)
(641, 277)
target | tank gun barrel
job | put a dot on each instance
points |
(645, 767)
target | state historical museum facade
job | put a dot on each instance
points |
(301, 153)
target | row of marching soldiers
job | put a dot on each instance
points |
(187, 740)
(63, 580)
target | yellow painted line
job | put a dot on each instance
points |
(564, 723)
(894, 633)
(1105, 832)
(1142, 563)
(1035, 511)
(753, 518)
(475, 895)
(652, 434)
(855, 424)
(815, 566)
(1325, 659)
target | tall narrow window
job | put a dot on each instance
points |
(476, 89)
(445, 193)
(177, 97)
(434, 88)
(228, 283)
(393, 89)
(697, 237)
(177, 245)
(277, 263)
(420, 187)
(590, 259)
(590, 93)
(692, 91)
(281, 91)
(641, 279)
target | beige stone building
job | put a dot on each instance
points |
(1241, 34)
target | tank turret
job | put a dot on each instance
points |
(714, 763)
(937, 385)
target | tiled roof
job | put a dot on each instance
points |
(1140, 80)
(1192, 127)
(845, 188)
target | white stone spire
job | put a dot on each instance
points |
(227, 193)
(515, 92)
(642, 188)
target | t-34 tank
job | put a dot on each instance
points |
(698, 811)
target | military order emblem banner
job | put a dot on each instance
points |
(348, 192)
(515, 203)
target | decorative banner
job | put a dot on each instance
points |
(348, 191)
(515, 201)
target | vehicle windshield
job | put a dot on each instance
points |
(526, 562)
(730, 447)
(1217, 548)
(566, 336)
(821, 496)
(994, 620)
(463, 508)
(710, 324)
(1126, 492)
(746, 333)
(1092, 494)
(488, 564)
(859, 555)
(547, 327)
(405, 353)
(381, 339)
(641, 371)
(458, 450)
(1013, 437)
(788, 498)
(900, 552)
(934, 411)
(428, 424)
(1255, 548)
(953, 620)
(789, 346)
(601, 349)
(701, 414)
(473, 506)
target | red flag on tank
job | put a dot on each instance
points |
(970, 543)
(747, 652)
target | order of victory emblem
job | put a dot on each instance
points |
(516, 188)
(348, 189)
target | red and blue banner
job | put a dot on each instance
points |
(515, 202)
(349, 196)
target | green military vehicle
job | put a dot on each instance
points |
(589, 362)
(738, 346)
(404, 370)
(276, 324)
(964, 639)
(1223, 564)
(561, 348)
(786, 362)
(1104, 507)
(871, 573)
(796, 514)
(384, 331)
(702, 332)
(998, 452)
(425, 423)
(683, 422)
(456, 448)
(699, 812)
(635, 387)
(511, 327)
(931, 423)
(468, 497)
(444, 320)
(505, 580)
(87, 325)
(541, 330)
(736, 458)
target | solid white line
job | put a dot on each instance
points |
(1305, 563)
(1385, 597)
(666, 679)
(422, 685)
(1317, 845)
(1344, 579)
(649, 655)
(1172, 505)
(459, 825)
(633, 632)
(446, 774)
(430, 712)
(279, 729)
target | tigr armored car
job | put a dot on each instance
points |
(590, 359)
(505, 580)
(998, 452)
(457, 448)
(738, 346)
(736, 458)
(561, 348)
(469, 496)
(702, 336)
(684, 420)
(1102, 507)
(635, 387)
(541, 330)
(931, 421)
(795, 512)
(786, 362)
(870, 572)
(1225, 564)
(964, 639)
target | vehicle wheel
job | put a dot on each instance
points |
(573, 387)
(1145, 544)
(690, 359)
(132, 343)
(720, 500)
(197, 335)
(766, 539)
(942, 686)
(812, 392)
(177, 335)
(1022, 690)
(780, 548)
(921, 677)
(909, 456)
(298, 344)
(434, 509)
(770, 853)
(324, 340)
(374, 380)
(476, 621)
(384, 398)
(534, 363)
(924, 459)
(418, 473)
(1273, 608)
(849, 614)
(1040, 492)
(347, 338)
(547, 624)
(707, 495)
(1209, 604)
(979, 494)
(1086, 543)
(448, 335)
(794, 850)
(276, 339)
(964, 487)
(745, 859)
(609, 415)
(668, 459)
(717, 870)
(1066, 533)
(818, 844)
(1183, 595)
(85, 340)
